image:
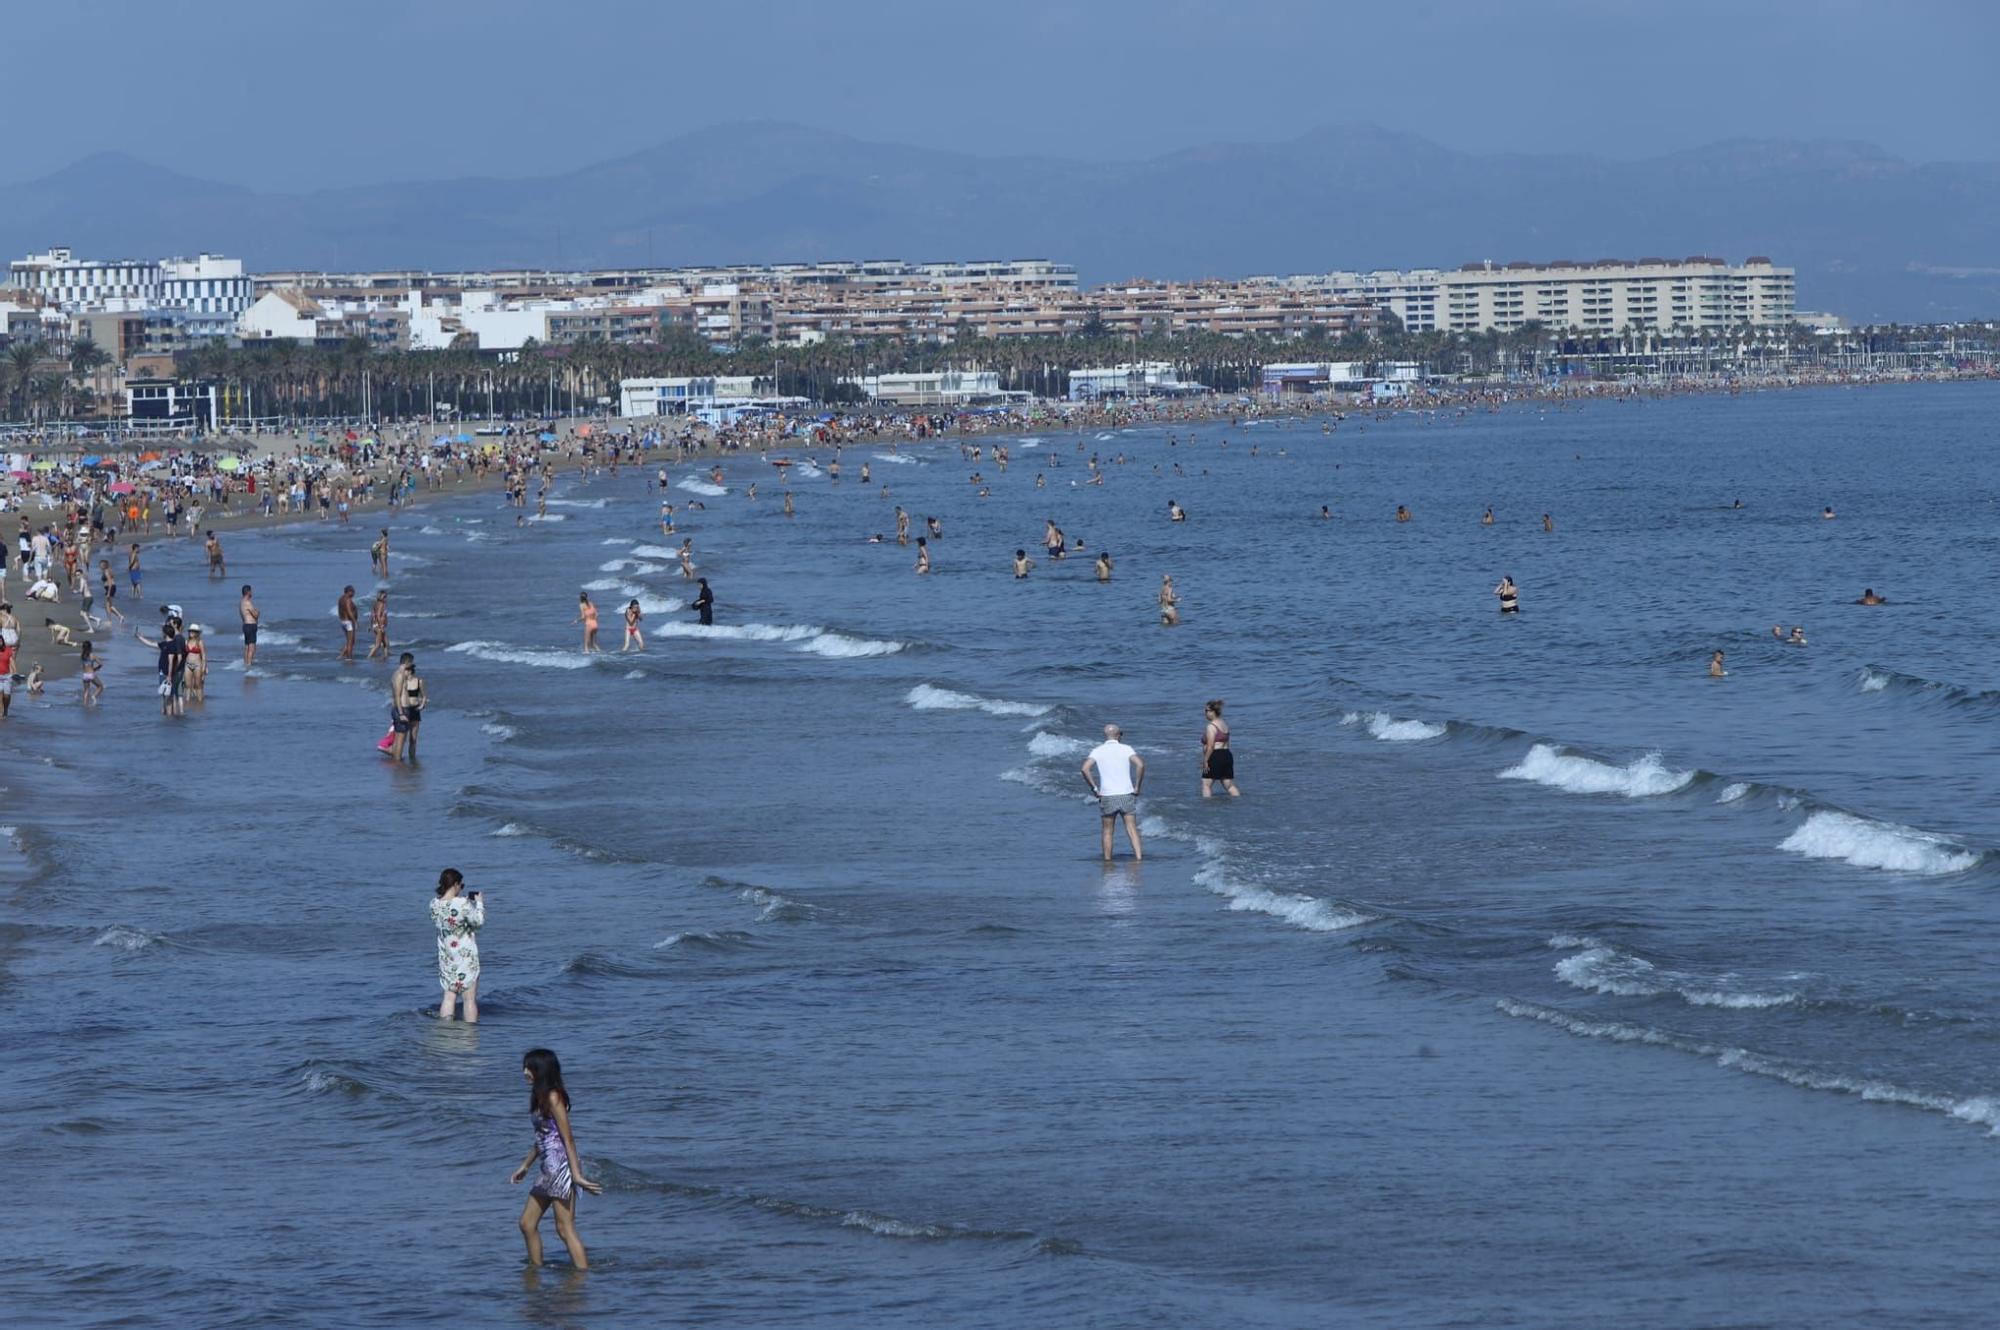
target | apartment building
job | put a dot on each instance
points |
(1700, 293)
(551, 283)
(209, 291)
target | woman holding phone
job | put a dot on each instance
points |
(458, 914)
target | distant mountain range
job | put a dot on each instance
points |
(1872, 236)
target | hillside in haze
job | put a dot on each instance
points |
(1872, 236)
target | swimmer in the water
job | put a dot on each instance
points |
(1510, 595)
(1826, 514)
(1548, 523)
(1324, 514)
(1798, 638)
(1402, 513)
(1022, 563)
(923, 557)
(1737, 504)
(1777, 632)
(1868, 597)
(1715, 670)
(1103, 566)
(1170, 602)
(1175, 513)
(1487, 520)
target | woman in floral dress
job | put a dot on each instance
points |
(458, 914)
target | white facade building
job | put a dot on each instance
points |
(211, 291)
(1608, 296)
(948, 387)
(87, 285)
(1152, 378)
(658, 397)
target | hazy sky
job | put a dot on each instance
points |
(288, 94)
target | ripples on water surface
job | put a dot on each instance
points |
(1537, 979)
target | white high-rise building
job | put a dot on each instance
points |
(1607, 296)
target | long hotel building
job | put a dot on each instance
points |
(1609, 295)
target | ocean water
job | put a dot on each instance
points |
(1537, 979)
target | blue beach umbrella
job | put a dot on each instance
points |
(93, 461)
(546, 437)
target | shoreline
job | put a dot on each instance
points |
(704, 442)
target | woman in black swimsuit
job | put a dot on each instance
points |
(1510, 595)
(1218, 762)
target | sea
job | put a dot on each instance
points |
(1536, 978)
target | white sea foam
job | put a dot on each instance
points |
(839, 646)
(1640, 778)
(1604, 969)
(1732, 792)
(428, 530)
(1045, 744)
(635, 674)
(617, 540)
(1873, 681)
(513, 829)
(638, 566)
(547, 517)
(738, 632)
(498, 731)
(897, 458)
(501, 652)
(1984, 1110)
(1391, 730)
(928, 697)
(121, 938)
(603, 584)
(654, 552)
(1866, 843)
(272, 637)
(413, 560)
(578, 503)
(1301, 911)
(694, 486)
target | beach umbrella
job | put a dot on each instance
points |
(585, 431)
(93, 461)
(230, 463)
(121, 487)
(45, 465)
(461, 438)
(546, 437)
(149, 457)
(442, 438)
(22, 475)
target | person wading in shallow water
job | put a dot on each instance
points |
(1115, 774)
(561, 1173)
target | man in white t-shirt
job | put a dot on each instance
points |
(1115, 774)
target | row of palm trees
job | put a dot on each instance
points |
(295, 380)
(39, 384)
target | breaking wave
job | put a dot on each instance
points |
(501, 652)
(1391, 730)
(1866, 843)
(1984, 1110)
(929, 697)
(1640, 778)
(1601, 968)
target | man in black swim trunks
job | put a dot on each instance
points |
(246, 610)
